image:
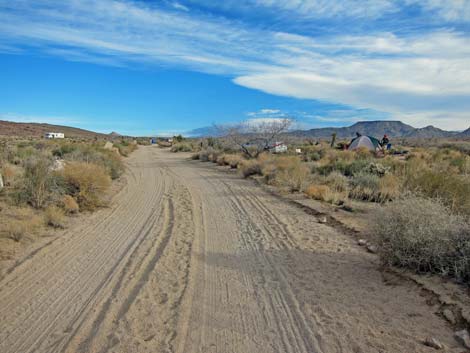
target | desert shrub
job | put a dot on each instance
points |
(345, 167)
(318, 192)
(213, 156)
(87, 183)
(97, 155)
(389, 188)
(250, 167)
(233, 160)
(19, 223)
(69, 204)
(221, 160)
(290, 172)
(365, 186)
(9, 173)
(337, 182)
(181, 147)
(195, 156)
(54, 217)
(424, 235)
(64, 149)
(453, 190)
(377, 169)
(125, 147)
(204, 155)
(39, 185)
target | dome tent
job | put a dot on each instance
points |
(369, 142)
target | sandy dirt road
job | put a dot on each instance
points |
(192, 259)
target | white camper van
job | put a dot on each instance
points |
(54, 135)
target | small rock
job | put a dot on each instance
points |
(322, 219)
(449, 315)
(362, 242)
(432, 342)
(463, 337)
(372, 248)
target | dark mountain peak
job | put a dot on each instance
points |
(465, 133)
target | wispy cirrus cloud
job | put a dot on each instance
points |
(423, 74)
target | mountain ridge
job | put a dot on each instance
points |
(376, 128)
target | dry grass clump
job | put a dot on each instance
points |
(213, 156)
(204, 155)
(389, 188)
(87, 183)
(181, 147)
(69, 205)
(233, 160)
(318, 192)
(365, 186)
(18, 223)
(452, 189)
(126, 147)
(337, 182)
(290, 172)
(424, 235)
(250, 167)
(54, 217)
(9, 173)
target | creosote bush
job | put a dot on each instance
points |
(423, 235)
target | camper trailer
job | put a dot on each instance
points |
(278, 147)
(54, 135)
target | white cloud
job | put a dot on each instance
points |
(450, 10)
(425, 74)
(179, 6)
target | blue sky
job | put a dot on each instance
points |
(158, 67)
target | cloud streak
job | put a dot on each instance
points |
(424, 74)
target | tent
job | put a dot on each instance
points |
(369, 142)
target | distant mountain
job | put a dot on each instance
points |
(371, 128)
(430, 132)
(203, 132)
(114, 134)
(464, 134)
(9, 128)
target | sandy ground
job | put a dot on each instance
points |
(189, 259)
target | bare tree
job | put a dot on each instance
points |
(254, 136)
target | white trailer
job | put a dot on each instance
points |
(54, 135)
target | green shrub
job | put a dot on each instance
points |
(452, 189)
(365, 186)
(39, 184)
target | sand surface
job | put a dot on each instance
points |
(190, 259)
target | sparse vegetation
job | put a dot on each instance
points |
(425, 195)
(424, 235)
(45, 181)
